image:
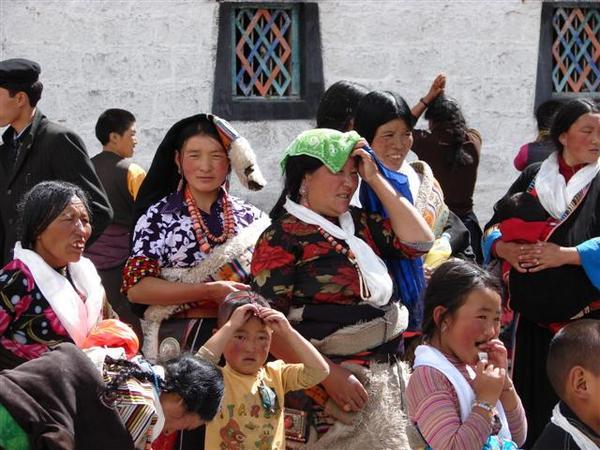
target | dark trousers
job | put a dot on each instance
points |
(529, 376)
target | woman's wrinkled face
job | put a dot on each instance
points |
(581, 142)
(177, 417)
(63, 241)
(476, 322)
(392, 142)
(204, 164)
(329, 193)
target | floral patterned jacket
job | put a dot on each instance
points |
(28, 324)
(294, 265)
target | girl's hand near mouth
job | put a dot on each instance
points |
(497, 354)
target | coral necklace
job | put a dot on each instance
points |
(205, 238)
(364, 290)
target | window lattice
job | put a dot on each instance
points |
(576, 50)
(266, 52)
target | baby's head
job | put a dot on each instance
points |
(248, 349)
(573, 367)
(521, 205)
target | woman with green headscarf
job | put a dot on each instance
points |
(320, 263)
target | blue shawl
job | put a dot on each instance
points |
(407, 273)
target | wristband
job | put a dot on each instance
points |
(424, 102)
(488, 407)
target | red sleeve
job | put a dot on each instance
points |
(520, 161)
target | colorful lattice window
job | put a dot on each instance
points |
(269, 63)
(266, 52)
(569, 58)
(576, 50)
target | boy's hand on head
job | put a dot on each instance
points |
(241, 315)
(274, 319)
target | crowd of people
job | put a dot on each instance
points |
(367, 310)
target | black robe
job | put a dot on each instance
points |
(555, 438)
(48, 152)
(54, 399)
(552, 295)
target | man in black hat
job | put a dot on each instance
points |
(35, 149)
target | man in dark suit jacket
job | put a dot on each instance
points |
(35, 149)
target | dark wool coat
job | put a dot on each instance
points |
(54, 399)
(48, 152)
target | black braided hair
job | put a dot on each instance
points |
(125, 370)
(446, 113)
(199, 383)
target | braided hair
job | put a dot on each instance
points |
(445, 112)
(199, 383)
(124, 370)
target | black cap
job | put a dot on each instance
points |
(18, 72)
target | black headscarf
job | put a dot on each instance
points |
(163, 177)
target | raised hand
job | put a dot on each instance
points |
(489, 382)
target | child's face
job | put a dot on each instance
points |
(249, 348)
(476, 322)
(593, 388)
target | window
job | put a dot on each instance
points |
(263, 68)
(569, 60)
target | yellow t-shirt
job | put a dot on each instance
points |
(243, 423)
(135, 177)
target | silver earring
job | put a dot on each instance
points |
(302, 190)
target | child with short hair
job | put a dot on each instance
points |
(460, 395)
(573, 367)
(251, 414)
(523, 219)
(116, 131)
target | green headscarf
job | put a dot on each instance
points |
(331, 147)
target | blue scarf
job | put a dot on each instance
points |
(406, 273)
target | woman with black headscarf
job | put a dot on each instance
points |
(193, 241)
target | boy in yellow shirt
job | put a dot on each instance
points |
(251, 415)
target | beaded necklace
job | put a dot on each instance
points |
(364, 289)
(206, 240)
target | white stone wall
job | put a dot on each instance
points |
(156, 58)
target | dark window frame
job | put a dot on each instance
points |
(226, 105)
(544, 84)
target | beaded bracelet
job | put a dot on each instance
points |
(488, 407)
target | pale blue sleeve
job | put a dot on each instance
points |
(589, 253)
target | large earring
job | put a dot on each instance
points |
(302, 190)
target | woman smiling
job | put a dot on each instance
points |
(320, 263)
